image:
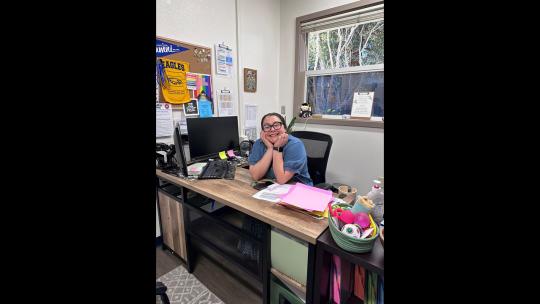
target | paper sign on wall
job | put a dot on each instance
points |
(164, 120)
(362, 104)
(251, 116)
(223, 60)
(225, 103)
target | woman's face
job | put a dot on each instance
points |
(273, 127)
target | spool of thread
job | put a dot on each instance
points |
(352, 230)
(344, 191)
(363, 204)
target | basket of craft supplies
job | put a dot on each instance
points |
(352, 227)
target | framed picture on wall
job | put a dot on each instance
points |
(250, 80)
(191, 108)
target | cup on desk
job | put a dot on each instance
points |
(345, 191)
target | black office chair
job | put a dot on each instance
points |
(318, 149)
(161, 295)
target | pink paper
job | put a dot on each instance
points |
(307, 197)
(230, 153)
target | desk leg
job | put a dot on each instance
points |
(317, 276)
(266, 266)
(310, 284)
(187, 228)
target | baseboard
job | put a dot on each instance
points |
(159, 241)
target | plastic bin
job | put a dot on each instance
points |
(289, 255)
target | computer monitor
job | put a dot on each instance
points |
(179, 154)
(209, 136)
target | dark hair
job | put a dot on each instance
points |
(278, 116)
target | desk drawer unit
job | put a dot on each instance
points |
(289, 255)
(172, 223)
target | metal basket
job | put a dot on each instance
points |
(349, 243)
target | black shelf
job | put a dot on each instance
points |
(372, 261)
(226, 242)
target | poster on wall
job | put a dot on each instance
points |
(225, 103)
(250, 80)
(172, 80)
(191, 108)
(197, 61)
(224, 60)
(164, 120)
(205, 105)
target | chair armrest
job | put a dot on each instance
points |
(160, 288)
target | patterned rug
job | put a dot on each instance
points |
(184, 288)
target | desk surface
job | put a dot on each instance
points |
(238, 193)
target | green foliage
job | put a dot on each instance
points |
(291, 124)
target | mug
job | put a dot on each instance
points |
(344, 191)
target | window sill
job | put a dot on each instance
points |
(353, 122)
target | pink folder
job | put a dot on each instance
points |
(307, 197)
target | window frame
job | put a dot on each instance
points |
(301, 73)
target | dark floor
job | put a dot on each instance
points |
(214, 277)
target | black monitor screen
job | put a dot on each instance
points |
(209, 136)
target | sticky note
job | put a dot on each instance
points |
(222, 155)
(230, 153)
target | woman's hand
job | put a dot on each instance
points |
(282, 140)
(265, 140)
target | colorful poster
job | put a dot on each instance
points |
(172, 78)
(191, 79)
(204, 83)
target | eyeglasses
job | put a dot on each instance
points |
(277, 125)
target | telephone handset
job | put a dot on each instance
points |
(164, 155)
(245, 147)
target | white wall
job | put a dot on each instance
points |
(207, 22)
(258, 38)
(202, 22)
(264, 40)
(357, 154)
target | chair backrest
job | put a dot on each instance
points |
(318, 149)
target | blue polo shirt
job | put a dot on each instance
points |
(294, 159)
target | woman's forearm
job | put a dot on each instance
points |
(282, 176)
(259, 170)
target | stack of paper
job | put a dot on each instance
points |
(313, 201)
(196, 168)
(272, 193)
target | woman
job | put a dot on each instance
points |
(278, 155)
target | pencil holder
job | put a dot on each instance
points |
(347, 190)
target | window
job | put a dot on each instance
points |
(340, 52)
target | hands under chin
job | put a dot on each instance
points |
(282, 140)
(266, 141)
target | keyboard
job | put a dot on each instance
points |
(218, 169)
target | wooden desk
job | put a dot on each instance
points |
(238, 194)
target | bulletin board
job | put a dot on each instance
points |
(198, 68)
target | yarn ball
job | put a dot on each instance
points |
(352, 230)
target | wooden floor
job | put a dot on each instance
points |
(215, 278)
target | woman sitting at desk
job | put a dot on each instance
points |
(278, 155)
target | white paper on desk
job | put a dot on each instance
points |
(272, 193)
(164, 120)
